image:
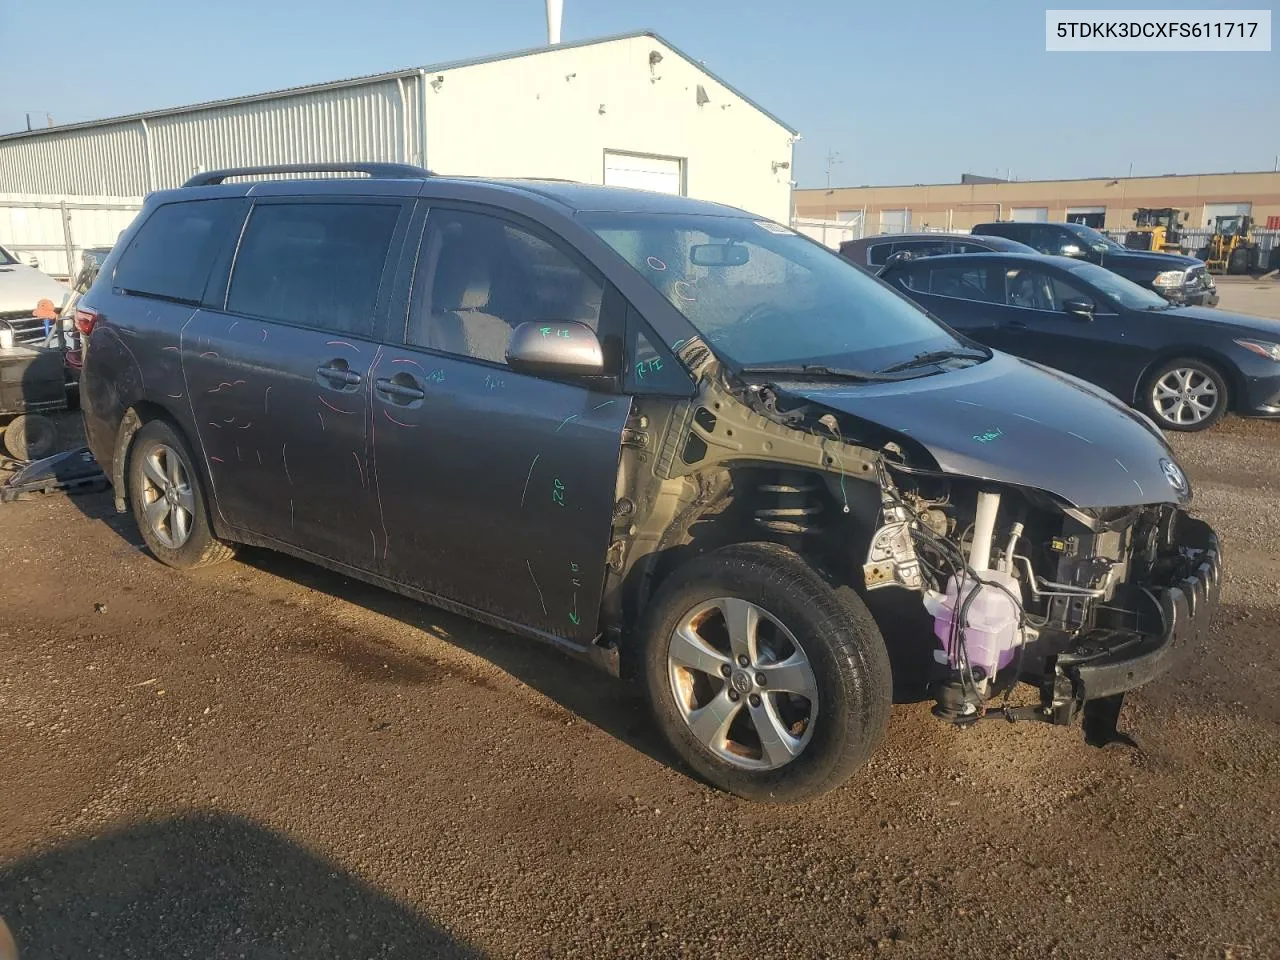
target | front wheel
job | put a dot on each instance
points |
(768, 682)
(1186, 394)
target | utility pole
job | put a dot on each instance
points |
(832, 159)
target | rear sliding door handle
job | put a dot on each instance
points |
(1016, 325)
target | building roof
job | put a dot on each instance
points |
(391, 75)
(1014, 183)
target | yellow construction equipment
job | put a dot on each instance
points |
(1156, 229)
(1230, 249)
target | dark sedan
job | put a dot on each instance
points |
(1185, 366)
(875, 251)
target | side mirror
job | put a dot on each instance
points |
(1134, 216)
(564, 348)
(1080, 309)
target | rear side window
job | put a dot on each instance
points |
(172, 252)
(313, 264)
(962, 282)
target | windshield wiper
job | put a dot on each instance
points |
(815, 371)
(934, 356)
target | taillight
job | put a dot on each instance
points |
(86, 320)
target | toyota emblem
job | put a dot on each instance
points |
(1173, 473)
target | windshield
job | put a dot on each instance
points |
(761, 294)
(1093, 237)
(1124, 292)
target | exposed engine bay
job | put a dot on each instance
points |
(1020, 588)
(1020, 582)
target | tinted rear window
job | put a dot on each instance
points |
(313, 264)
(170, 255)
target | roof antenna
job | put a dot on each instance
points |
(555, 12)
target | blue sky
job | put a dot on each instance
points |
(914, 91)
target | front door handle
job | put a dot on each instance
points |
(338, 374)
(1015, 325)
(401, 388)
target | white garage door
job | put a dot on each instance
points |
(1029, 214)
(659, 174)
(1214, 210)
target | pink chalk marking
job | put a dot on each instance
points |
(210, 354)
(246, 426)
(398, 423)
(359, 469)
(341, 343)
(332, 407)
(321, 416)
(216, 459)
(264, 333)
(174, 349)
(174, 396)
(216, 426)
(234, 324)
(407, 360)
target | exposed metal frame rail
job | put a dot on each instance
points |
(376, 171)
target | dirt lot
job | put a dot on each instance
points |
(265, 760)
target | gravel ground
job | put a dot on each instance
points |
(265, 760)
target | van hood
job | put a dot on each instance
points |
(22, 287)
(1012, 421)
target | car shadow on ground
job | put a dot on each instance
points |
(611, 705)
(617, 707)
(206, 885)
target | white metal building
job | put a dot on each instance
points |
(630, 110)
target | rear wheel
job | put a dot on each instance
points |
(168, 501)
(1186, 394)
(767, 682)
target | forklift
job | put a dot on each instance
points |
(1156, 229)
(1230, 249)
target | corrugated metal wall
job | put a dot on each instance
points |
(109, 160)
(378, 120)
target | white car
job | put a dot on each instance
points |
(21, 288)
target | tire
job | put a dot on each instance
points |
(1238, 262)
(1177, 391)
(159, 462)
(816, 742)
(31, 437)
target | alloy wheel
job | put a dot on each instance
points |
(742, 683)
(168, 501)
(1185, 396)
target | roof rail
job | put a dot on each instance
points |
(377, 171)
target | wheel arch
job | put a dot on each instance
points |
(134, 419)
(724, 511)
(1230, 375)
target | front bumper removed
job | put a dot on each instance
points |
(1093, 677)
(1185, 609)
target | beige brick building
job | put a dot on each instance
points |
(1105, 202)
